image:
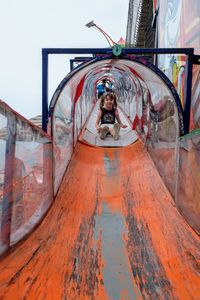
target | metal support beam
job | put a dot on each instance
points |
(44, 90)
(186, 51)
(188, 92)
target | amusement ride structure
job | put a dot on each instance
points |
(85, 218)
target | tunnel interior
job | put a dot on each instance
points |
(145, 95)
(141, 92)
(154, 111)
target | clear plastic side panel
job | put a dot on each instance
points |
(26, 189)
(159, 125)
(188, 179)
(3, 138)
(83, 108)
(129, 91)
(70, 113)
(195, 101)
(79, 117)
(32, 184)
(62, 134)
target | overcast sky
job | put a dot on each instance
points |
(27, 26)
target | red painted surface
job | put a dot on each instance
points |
(113, 232)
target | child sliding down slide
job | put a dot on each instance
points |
(107, 116)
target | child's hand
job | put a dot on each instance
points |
(124, 126)
(98, 128)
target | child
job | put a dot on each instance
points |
(101, 88)
(107, 116)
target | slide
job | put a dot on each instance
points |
(113, 232)
(86, 218)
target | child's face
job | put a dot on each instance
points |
(108, 102)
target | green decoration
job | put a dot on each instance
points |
(117, 50)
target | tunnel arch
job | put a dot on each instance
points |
(145, 94)
(101, 65)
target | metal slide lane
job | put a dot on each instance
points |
(113, 232)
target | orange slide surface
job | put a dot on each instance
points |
(113, 232)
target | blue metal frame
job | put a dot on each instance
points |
(189, 52)
(188, 92)
(78, 59)
(44, 90)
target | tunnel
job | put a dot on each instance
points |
(144, 94)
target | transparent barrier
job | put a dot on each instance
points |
(159, 122)
(26, 189)
(62, 133)
(83, 108)
(188, 178)
(73, 102)
(161, 132)
(195, 99)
